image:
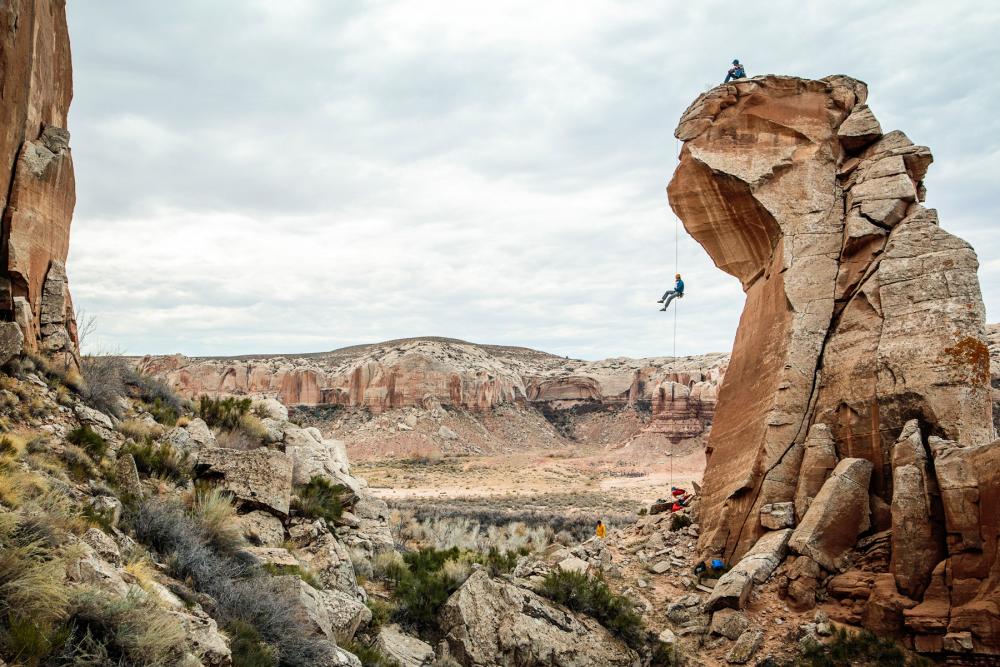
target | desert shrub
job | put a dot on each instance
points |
(34, 598)
(382, 611)
(214, 510)
(295, 571)
(370, 656)
(223, 413)
(90, 441)
(679, 520)
(237, 440)
(160, 460)
(243, 592)
(855, 648)
(104, 382)
(249, 650)
(384, 562)
(253, 427)
(156, 395)
(319, 499)
(421, 585)
(592, 596)
(79, 465)
(500, 562)
(139, 430)
(112, 632)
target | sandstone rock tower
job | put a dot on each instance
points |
(37, 186)
(860, 371)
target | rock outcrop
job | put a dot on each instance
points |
(37, 186)
(679, 394)
(862, 341)
(492, 622)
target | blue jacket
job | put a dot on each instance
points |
(679, 286)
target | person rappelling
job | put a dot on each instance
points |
(736, 71)
(671, 294)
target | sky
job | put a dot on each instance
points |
(278, 176)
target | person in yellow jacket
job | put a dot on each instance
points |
(601, 531)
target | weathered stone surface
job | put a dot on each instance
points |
(729, 623)
(489, 622)
(103, 545)
(733, 588)
(37, 187)
(405, 649)
(788, 186)
(127, 476)
(836, 517)
(917, 524)
(804, 576)
(775, 516)
(818, 461)
(884, 612)
(345, 612)
(331, 561)
(262, 529)
(11, 341)
(745, 647)
(207, 643)
(574, 564)
(258, 479)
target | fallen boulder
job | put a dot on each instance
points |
(258, 479)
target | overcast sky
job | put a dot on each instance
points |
(299, 175)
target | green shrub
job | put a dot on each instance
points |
(162, 412)
(249, 650)
(161, 460)
(295, 571)
(319, 499)
(224, 413)
(369, 656)
(90, 441)
(855, 648)
(420, 586)
(592, 596)
(500, 562)
(157, 397)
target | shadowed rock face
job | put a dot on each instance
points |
(862, 340)
(37, 186)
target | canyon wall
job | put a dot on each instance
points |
(37, 186)
(679, 393)
(862, 341)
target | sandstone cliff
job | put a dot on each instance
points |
(37, 187)
(862, 340)
(679, 393)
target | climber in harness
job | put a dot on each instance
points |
(736, 71)
(671, 294)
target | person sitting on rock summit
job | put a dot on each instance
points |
(672, 294)
(736, 71)
(600, 531)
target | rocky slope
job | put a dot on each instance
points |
(675, 396)
(854, 430)
(37, 186)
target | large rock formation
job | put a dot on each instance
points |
(680, 393)
(861, 315)
(37, 186)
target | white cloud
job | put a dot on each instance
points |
(275, 176)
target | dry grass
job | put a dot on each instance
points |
(215, 512)
(139, 430)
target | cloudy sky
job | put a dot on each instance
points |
(300, 175)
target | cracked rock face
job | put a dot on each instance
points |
(37, 184)
(861, 312)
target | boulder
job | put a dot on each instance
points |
(308, 604)
(776, 516)
(729, 623)
(574, 564)
(884, 612)
(746, 646)
(271, 408)
(819, 458)
(127, 476)
(346, 614)
(804, 576)
(96, 420)
(330, 561)
(836, 517)
(206, 642)
(406, 650)
(733, 588)
(261, 528)
(200, 434)
(917, 541)
(490, 622)
(258, 479)
(103, 545)
(11, 341)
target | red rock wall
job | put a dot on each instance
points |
(37, 187)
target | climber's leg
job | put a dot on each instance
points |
(665, 295)
(673, 295)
